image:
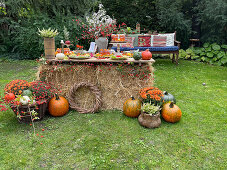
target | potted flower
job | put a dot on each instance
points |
(150, 116)
(49, 42)
(31, 99)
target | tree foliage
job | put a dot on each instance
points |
(24, 17)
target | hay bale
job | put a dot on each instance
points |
(116, 82)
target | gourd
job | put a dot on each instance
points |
(58, 106)
(9, 96)
(27, 93)
(146, 55)
(60, 56)
(24, 100)
(171, 112)
(168, 97)
(137, 55)
(132, 107)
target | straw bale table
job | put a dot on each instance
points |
(117, 79)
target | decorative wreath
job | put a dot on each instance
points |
(93, 89)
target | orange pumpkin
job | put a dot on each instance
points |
(58, 106)
(146, 55)
(171, 112)
(132, 107)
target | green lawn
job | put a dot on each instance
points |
(110, 140)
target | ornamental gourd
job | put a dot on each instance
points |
(27, 93)
(60, 56)
(146, 55)
(24, 100)
(168, 97)
(58, 106)
(132, 107)
(9, 96)
(171, 112)
(137, 55)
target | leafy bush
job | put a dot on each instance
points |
(209, 53)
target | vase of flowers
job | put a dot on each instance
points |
(99, 27)
(150, 116)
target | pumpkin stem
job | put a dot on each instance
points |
(133, 98)
(57, 97)
(165, 93)
(171, 104)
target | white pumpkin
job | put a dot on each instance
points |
(60, 56)
(24, 100)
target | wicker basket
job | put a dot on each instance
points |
(39, 108)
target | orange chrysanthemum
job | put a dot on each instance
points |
(16, 86)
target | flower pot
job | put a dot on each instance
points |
(49, 47)
(26, 118)
(149, 121)
(102, 43)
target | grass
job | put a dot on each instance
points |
(110, 140)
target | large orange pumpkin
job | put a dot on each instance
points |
(132, 107)
(146, 55)
(171, 112)
(58, 106)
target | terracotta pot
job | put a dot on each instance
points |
(149, 121)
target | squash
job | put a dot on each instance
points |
(58, 106)
(171, 112)
(60, 56)
(9, 96)
(24, 100)
(146, 55)
(137, 55)
(132, 107)
(168, 97)
(27, 93)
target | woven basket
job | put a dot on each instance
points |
(39, 108)
(149, 121)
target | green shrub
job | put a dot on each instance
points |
(209, 53)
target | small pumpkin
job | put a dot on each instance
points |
(168, 97)
(24, 100)
(60, 56)
(58, 106)
(171, 112)
(146, 55)
(137, 55)
(27, 93)
(9, 96)
(132, 107)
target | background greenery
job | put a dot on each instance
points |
(205, 19)
(110, 140)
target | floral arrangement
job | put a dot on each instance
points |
(152, 95)
(99, 25)
(25, 98)
(16, 86)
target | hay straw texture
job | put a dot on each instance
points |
(117, 83)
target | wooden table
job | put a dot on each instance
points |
(95, 60)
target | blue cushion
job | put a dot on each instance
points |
(170, 48)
